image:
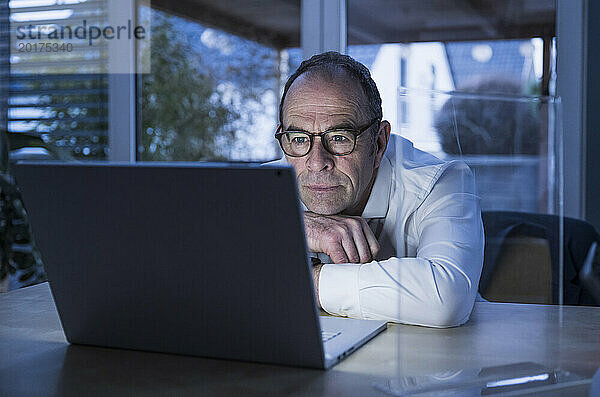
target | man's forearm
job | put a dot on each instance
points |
(401, 290)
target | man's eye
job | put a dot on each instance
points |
(339, 138)
(299, 140)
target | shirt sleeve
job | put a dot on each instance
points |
(437, 288)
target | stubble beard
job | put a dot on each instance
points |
(330, 203)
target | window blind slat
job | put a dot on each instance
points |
(44, 85)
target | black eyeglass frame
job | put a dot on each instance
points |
(311, 137)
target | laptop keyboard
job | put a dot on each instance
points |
(327, 336)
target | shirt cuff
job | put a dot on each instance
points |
(338, 290)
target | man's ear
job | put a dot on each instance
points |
(381, 141)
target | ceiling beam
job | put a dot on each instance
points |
(213, 18)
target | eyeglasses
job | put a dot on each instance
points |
(339, 142)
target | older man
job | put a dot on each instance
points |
(398, 231)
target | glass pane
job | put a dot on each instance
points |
(467, 82)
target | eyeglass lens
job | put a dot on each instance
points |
(335, 142)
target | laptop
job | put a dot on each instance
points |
(198, 259)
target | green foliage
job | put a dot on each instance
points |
(19, 256)
(181, 115)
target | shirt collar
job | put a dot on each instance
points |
(379, 200)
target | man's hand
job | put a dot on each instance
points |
(345, 239)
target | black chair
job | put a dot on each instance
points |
(522, 232)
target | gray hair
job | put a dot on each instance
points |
(330, 64)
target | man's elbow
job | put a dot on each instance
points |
(452, 311)
(452, 304)
(437, 312)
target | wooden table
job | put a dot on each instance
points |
(36, 360)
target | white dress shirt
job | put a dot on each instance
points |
(427, 218)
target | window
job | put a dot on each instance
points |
(492, 53)
(57, 95)
(211, 94)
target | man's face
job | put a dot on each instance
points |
(331, 184)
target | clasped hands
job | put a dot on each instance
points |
(344, 238)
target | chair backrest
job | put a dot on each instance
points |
(522, 272)
(521, 262)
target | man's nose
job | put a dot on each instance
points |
(318, 159)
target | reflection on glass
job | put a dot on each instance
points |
(512, 144)
(475, 83)
(518, 378)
